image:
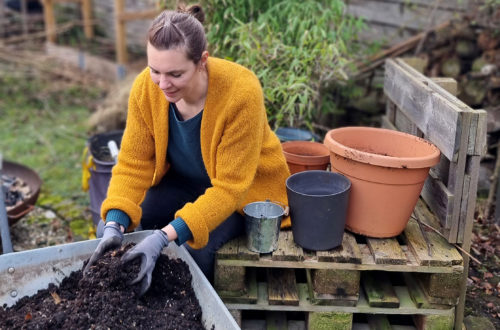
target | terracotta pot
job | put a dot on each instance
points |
(305, 155)
(387, 170)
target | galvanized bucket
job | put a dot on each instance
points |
(262, 223)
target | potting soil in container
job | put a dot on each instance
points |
(104, 300)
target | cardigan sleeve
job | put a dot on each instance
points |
(237, 157)
(133, 174)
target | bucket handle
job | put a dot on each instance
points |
(286, 208)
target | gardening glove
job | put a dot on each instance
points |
(112, 238)
(148, 250)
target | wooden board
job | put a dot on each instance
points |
(287, 249)
(386, 251)
(348, 252)
(379, 290)
(443, 254)
(396, 14)
(433, 115)
(282, 289)
(407, 306)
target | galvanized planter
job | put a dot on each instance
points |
(24, 273)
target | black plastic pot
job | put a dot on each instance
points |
(100, 175)
(318, 207)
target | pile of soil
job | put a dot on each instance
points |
(103, 300)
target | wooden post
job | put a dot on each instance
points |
(50, 21)
(87, 18)
(121, 36)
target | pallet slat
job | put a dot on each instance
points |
(282, 289)
(386, 251)
(347, 252)
(287, 249)
(379, 291)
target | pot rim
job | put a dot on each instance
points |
(315, 171)
(306, 159)
(382, 160)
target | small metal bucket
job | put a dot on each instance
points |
(262, 223)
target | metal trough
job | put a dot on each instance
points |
(24, 273)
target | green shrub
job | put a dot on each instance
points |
(297, 48)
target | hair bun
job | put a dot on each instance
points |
(194, 10)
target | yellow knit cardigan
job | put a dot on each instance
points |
(242, 156)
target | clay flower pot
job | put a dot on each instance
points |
(387, 170)
(305, 155)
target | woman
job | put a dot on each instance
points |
(196, 149)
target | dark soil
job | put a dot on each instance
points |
(103, 300)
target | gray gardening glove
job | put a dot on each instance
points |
(112, 238)
(148, 250)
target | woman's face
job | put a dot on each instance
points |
(173, 72)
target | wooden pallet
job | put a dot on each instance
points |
(407, 253)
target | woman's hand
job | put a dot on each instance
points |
(112, 238)
(148, 250)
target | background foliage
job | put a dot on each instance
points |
(298, 49)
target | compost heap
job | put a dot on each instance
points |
(103, 299)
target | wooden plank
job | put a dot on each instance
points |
(276, 321)
(480, 144)
(287, 249)
(440, 247)
(87, 18)
(228, 250)
(243, 252)
(443, 254)
(448, 4)
(386, 251)
(387, 124)
(439, 199)
(404, 124)
(121, 34)
(456, 176)
(464, 207)
(436, 118)
(390, 111)
(396, 14)
(347, 252)
(50, 21)
(378, 322)
(379, 290)
(407, 306)
(449, 84)
(281, 287)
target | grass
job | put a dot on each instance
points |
(43, 126)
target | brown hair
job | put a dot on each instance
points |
(181, 28)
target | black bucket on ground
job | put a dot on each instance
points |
(101, 173)
(318, 208)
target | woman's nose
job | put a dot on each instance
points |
(164, 82)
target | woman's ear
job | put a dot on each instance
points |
(204, 58)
